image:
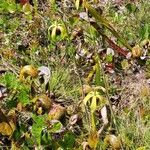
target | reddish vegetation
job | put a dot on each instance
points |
(23, 2)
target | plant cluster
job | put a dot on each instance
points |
(74, 74)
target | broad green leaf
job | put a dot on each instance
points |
(37, 127)
(109, 58)
(10, 80)
(23, 97)
(68, 141)
(46, 139)
(56, 126)
(144, 31)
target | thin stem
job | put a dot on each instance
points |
(83, 94)
(107, 95)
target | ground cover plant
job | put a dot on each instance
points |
(75, 74)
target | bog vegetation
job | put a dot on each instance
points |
(75, 74)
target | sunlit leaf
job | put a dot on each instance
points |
(10, 80)
(56, 126)
(14, 146)
(141, 148)
(23, 97)
(145, 31)
(11, 8)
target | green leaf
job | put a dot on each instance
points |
(145, 31)
(46, 139)
(56, 126)
(10, 80)
(11, 103)
(37, 127)
(131, 7)
(3, 5)
(11, 8)
(97, 76)
(23, 97)
(109, 58)
(68, 141)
